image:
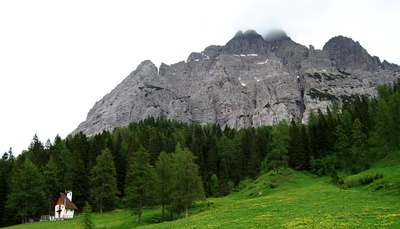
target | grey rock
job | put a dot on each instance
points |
(251, 81)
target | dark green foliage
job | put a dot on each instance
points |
(103, 182)
(384, 125)
(360, 146)
(227, 154)
(212, 186)
(315, 94)
(52, 185)
(188, 186)
(343, 147)
(164, 177)
(26, 196)
(279, 143)
(316, 75)
(6, 166)
(297, 151)
(140, 181)
(77, 180)
(36, 153)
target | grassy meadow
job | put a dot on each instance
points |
(294, 200)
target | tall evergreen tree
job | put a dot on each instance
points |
(343, 148)
(188, 185)
(26, 191)
(296, 150)
(279, 143)
(103, 182)
(155, 144)
(384, 125)
(139, 187)
(164, 186)
(360, 145)
(227, 152)
(52, 184)
(77, 180)
(36, 153)
(62, 158)
(6, 166)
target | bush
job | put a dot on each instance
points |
(364, 180)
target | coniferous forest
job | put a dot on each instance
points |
(172, 164)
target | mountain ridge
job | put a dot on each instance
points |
(249, 81)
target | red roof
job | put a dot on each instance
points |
(62, 198)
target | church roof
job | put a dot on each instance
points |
(62, 198)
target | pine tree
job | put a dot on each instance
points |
(227, 152)
(103, 181)
(52, 184)
(296, 151)
(384, 125)
(62, 158)
(77, 180)
(164, 186)
(26, 191)
(36, 153)
(155, 144)
(188, 185)
(213, 186)
(139, 187)
(343, 148)
(6, 166)
(279, 143)
(360, 145)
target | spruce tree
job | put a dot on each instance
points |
(164, 182)
(384, 126)
(188, 184)
(279, 143)
(296, 151)
(360, 146)
(227, 152)
(6, 166)
(139, 187)
(343, 148)
(103, 182)
(26, 191)
(77, 180)
(52, 184)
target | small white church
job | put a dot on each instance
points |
(63, 207)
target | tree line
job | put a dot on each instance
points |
(168, 163)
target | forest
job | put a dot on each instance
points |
(171, 164)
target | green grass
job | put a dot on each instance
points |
(293, 200)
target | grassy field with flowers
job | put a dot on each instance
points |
(295, 199)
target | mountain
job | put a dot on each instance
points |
(250, 81)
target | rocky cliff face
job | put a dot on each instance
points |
(250, 81)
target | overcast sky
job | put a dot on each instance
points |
(57, 58)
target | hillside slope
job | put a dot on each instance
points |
(294, 200)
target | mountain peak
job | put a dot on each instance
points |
(349, 54)
(250, 81)
(246, 43)
(276, 35)
(248, 33)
